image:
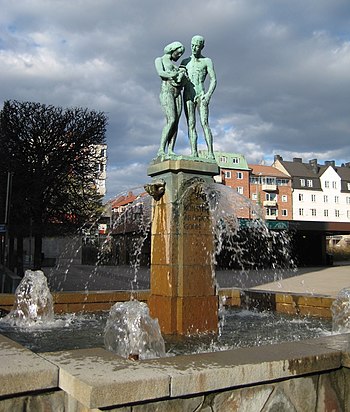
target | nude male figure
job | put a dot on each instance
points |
(195, 96)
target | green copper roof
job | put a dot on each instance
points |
(227, 160)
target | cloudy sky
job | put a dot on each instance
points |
(283, 69)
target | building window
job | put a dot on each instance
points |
(239, 175)
(301, 212)
(348, 214)
(227, 174)
(271, 196)
(313, 212)
(309, 183)
(284, 212)
(348, 200)
(282, 182)
(326, 184)
(284, 198)
(336, 213)
(235, 160)
(254, 196)
(269, 180)
(223, 159)
(313, 198)
(348, 184)
(325, 213)
(336, 199)
(271, 211)
(240, 190)
(325, 199)
(254, 180)
(302, 182)
(334, 185)
(301, 197)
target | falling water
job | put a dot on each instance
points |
(132, 333)
(33, 301)
(341, 312)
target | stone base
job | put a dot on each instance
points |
(185, 315)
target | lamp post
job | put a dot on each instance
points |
(7, 216)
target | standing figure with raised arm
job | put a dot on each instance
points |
(195, 96)
(173, 79)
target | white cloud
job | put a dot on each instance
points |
(283, 72)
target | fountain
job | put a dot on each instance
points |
(341, 312)
(132, 333)
(33, 301)
(183, 297)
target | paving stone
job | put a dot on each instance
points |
(99, 378)
(279, 402)
(243, 400)
(302, 392)
(221, 370)
(23, 371)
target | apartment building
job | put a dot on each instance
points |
(234, 172)
(267, 187)
(100, 181)
(321, 193)
(271, 189)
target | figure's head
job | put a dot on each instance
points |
(175, 49)
(197, 45)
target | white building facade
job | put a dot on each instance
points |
(321, 193)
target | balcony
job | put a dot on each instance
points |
(269, 187)
(270, 203)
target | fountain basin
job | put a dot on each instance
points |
(242, 328)
(302, 374)
(94, 301)
(93, 378)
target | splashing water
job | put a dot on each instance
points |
(241, 243)
(132, 333)
(136, 219)
(341, 312)
(33, 301)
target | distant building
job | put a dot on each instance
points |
(265, 186)
(100, 181)
(320, 192)
(271, 189)
(126, 229)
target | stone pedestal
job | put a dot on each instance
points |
(183, 295)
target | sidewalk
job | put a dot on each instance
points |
(327, 281)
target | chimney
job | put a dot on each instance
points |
(313, 165)
(329, 163)
(277, 157)
(347, 164)
(297, 160)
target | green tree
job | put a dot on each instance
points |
(52, 155)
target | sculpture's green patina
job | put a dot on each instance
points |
(198, 67)
(173, 79)
(190, 76)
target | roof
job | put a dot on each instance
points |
(299, 169)
(233, 160)
(313, 170)
(267, 171)
(123, 200)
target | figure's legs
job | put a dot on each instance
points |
(204, 115)
(190, 112)
(178, 106)
(169, 107)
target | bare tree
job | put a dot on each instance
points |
(51, 153)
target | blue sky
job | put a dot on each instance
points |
(283, 70)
